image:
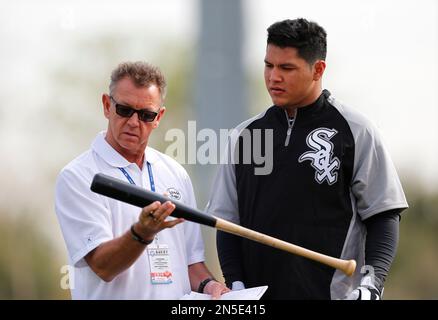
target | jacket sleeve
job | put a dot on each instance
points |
(223, 204)
(381, 243)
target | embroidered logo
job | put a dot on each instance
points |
(321, 157)
(174, 194)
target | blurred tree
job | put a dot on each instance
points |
(413, 274)
(29, 263)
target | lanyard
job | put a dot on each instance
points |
(151, 176)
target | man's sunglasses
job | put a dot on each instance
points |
(127, 112)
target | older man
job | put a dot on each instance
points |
(117, 251)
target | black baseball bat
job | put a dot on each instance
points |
(132, 194)
(140, 197)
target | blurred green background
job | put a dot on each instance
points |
(56, 59)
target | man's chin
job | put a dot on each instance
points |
(130, 143)
(129, 139)
(282, 103)
(279, 104)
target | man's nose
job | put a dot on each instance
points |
(134, 120)
(275, 75)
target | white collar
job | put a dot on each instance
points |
(112, 157)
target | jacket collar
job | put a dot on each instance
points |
(305, 112)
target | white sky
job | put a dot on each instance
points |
(382, 59)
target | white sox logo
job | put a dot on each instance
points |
(321, 157)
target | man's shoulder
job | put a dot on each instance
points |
(243, 127)
(356, 119)
(359, 124)
(83, 164)
(247, 123)
(163, 159)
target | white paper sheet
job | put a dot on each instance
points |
(246, 294)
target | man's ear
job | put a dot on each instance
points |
(318, 69)
(159, 116)
(106, 102)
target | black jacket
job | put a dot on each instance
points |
(314, 190)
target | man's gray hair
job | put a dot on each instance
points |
(141, 73)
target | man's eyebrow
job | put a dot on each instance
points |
(287, 64)
(123, 103)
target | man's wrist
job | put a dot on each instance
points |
(138, 237)
(203, 283)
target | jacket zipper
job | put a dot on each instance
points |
(289, 129)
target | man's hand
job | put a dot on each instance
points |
(366, 291)
(153, 217)
(237, 285)
(112, 257)
(215, 289)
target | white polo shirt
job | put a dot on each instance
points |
(88, 219)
